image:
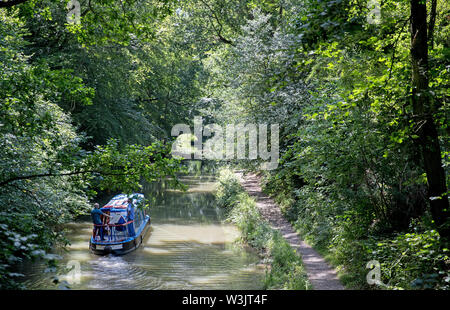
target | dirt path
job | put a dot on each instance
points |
(320, 274)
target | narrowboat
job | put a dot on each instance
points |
(124, 229)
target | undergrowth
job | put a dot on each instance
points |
(415, 258)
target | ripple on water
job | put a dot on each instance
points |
(188, 248)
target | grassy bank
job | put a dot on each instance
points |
(285, 269)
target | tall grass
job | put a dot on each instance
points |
(284, 267)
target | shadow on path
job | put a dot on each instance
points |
(320, 274)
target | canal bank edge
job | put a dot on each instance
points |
(285, 269)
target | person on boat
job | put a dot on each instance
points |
(130, 210)
(106, 231)
(96, 214)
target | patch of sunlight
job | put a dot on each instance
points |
(156, 250)
(80, 245)
(211, 279)
(198, 233)
(87, 231)
(79, 256)
(207, 186)
(249, 269)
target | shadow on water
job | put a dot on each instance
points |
(188, 247)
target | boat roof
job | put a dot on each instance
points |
(121, 201)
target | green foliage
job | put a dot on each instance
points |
(228, 190)
(115, 168)
(35, 135)
(420, 260)
(350, 170)
(47, 177)
(103, 22)
(287, 271)
(84, 107)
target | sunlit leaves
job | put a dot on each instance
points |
(124, 168)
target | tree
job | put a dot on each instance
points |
(422, 102)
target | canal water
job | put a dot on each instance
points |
(188, 247)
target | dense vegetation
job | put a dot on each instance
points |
(69, 127)
(363, 110)
(357, 174)
(361, 100)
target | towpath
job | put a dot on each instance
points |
(320, 274)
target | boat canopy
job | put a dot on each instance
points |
(118, 207)
(121, 201)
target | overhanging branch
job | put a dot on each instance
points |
(216, 18)
(10, 3)
(50, 174)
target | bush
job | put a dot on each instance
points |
(228, 189)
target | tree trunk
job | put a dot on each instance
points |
(423, 114)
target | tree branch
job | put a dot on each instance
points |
(8, 4)
(50, 174)
(27, 192)
(432, 23)
(218, 31)
(394, 48)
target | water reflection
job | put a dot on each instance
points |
(188, 247)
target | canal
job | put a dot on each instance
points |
(189, 246)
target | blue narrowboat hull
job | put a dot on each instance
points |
(122, 247)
